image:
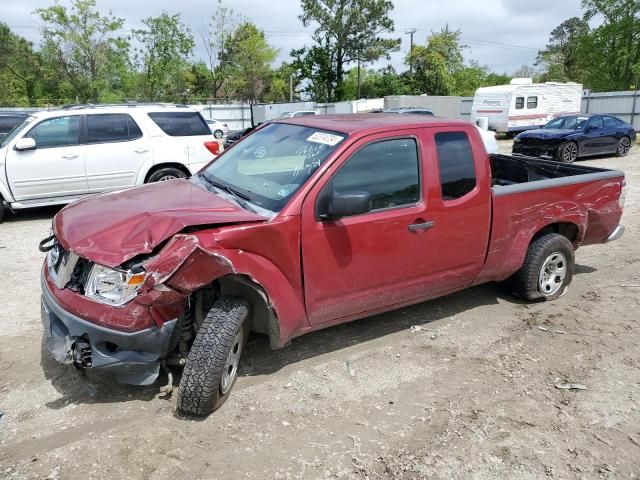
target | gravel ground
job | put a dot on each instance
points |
(468, 392)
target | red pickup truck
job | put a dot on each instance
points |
(307, 223)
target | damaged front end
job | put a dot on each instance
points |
(100, 318)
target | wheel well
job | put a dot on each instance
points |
(262, 316)
(566, 229)
(155, 168)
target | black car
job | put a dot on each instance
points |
(567, 138)
(9, 119)
(235, 135)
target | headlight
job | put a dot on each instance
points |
(112, 286)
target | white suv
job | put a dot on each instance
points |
(54, 157)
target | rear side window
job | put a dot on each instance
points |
(455, 161)
(388, 170)
(532, 102)
(519, 103)
(181, 124)
(111, 127)
(56, 132)
(610, 122)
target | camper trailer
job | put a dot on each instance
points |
(523, 105)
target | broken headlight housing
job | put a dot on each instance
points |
(113, 286)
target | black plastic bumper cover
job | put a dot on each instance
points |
(132, 358)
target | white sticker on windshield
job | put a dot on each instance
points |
(325, 138)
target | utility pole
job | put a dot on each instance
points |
(358, 96)
(410, 32)
(291, 88)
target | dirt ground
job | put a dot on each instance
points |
(467, 393)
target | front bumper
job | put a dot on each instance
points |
(533, 150)
(131, 358)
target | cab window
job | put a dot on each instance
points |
(456, 165)
(388, 170)
(56, 132)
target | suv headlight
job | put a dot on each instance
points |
(113, 286)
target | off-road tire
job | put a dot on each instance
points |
(167, 173)
(218, 134)
(560, 155)
(623, 147)
(199, 392)
(524, 283)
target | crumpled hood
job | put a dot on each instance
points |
(114, 227)
(545, 133)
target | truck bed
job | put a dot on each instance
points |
(513, 174)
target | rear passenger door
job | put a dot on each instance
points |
(115, 151)
(459, 207)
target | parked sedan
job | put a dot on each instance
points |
(568, 138)
(218, 128)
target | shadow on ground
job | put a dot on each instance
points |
(259, 359)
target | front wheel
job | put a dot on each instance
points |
(212, 364)
(624, 144)
(568, 153)
(547, 269)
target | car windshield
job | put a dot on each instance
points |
(14, 131)
(268, 167)
(568, 123)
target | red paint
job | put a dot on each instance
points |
(111, 228)
(320, 273)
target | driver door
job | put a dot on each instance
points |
(55, 167)
(374, 260)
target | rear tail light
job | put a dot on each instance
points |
(623, 194)
(213, 147)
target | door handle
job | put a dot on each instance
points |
(70, 156)
(419, 227)
(141, 150)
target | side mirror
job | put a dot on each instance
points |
(25, 144)
(347, 204)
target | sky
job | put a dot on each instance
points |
(502, 34)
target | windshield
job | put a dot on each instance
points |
(14, 131)
(269, 166)
(568, 123)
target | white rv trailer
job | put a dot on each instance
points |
(523, 105)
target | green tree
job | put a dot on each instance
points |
(315, 64)
(561, 59)
(215, 38)
(430, 72)
(278, 89)
(249, 57)
(22, 66)
(348, 30)
(166, 44)
(83, 46)
(375, 83)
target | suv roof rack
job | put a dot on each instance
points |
(80, 106)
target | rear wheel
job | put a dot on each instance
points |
(624, 144)
(212, 365)
(164, 174)
(547, 269)
(568, 152)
